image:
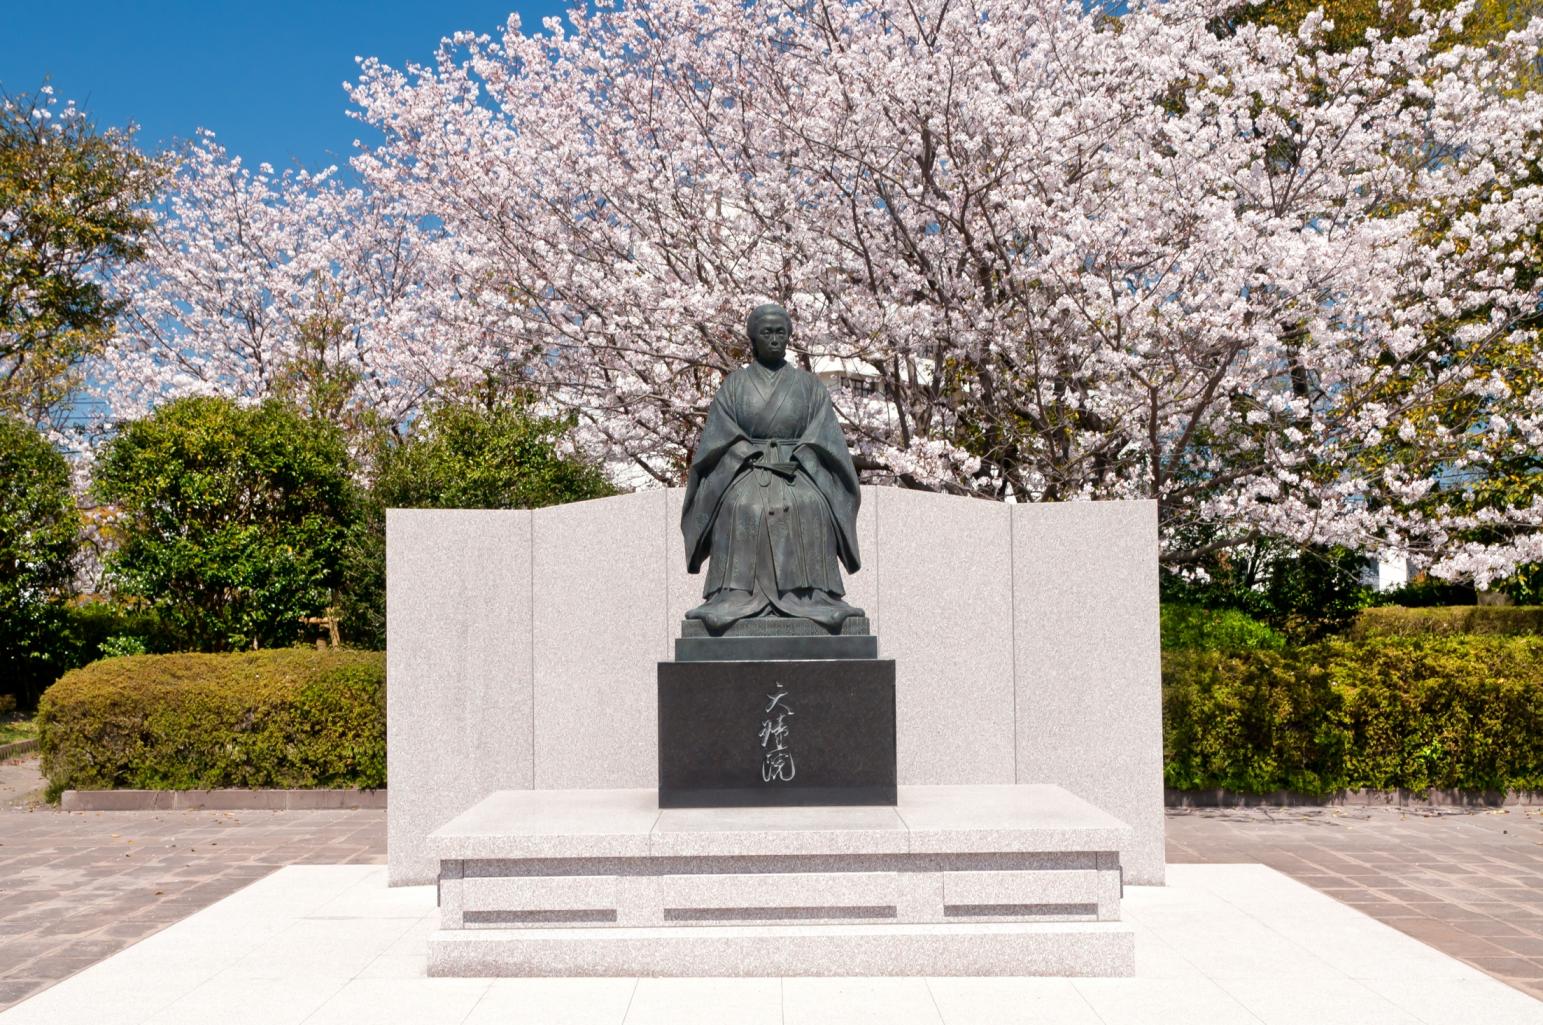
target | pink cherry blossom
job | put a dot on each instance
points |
(1040, 254)
(250, 278)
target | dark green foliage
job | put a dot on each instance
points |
(1502, 620)
(1306, 594)
(1189, 626)
(1317, 592)
(233, 519)
(462, 456)
(39, 536)
(467, 456)
(66, 635)
(1525, 586)
(284, 718)
(1461, 713)
(1427, 591)
(95, 626)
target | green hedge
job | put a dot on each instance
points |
(285, 718)
(1448, 621)
(1418, 713)
(1190, 626)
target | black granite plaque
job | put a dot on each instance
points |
(736, 734)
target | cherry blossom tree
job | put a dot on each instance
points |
(1272, 284)
(256, 284)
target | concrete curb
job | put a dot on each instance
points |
(319, 800)
(1354, 799)
(220, 800)
(18, 747)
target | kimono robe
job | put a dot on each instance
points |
(771, 502)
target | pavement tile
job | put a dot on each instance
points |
(966, 1001)
(1162, 1002)
(856, 1001)
(76, 887)
(553, 1002)
(1464, 881)
(1526, 946)
(1469, 1000)
(1508, 967)
(69, 897)
(706, 1002)
(251, 1002)
(421, 1001)
(1490, 928)
(1326, 1002)
(13, 989)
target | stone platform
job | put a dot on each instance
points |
(952, 880)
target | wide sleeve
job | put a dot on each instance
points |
(720, 454)
(823, 455)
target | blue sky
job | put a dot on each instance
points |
(265, 77)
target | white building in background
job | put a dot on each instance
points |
(850, 374)
(1385, 574)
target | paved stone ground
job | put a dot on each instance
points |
(20, 781)
(1469, 883)
(76, 887)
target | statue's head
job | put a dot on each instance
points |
(769, 328)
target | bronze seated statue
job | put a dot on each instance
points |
(771, 500)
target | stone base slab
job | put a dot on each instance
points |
(966, 880)
(592, 824)
(1055, 949)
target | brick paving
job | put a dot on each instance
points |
(76, 887)
(1469, 883)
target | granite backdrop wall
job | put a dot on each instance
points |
(523, 644)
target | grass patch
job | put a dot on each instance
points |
(17, 727)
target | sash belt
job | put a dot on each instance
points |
(772, 459)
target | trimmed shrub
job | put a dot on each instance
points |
(284, 718)
(1251, 721)
(1447, 621)
(1461, 713)
(1190, 626)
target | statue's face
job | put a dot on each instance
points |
(769, 337)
